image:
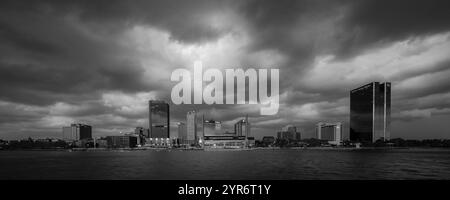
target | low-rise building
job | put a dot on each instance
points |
(268, 140)
(101, 143)
(122, 141)
(224, 142)
(158, 142)
(251, 142)
(289, 132)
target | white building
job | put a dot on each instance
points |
(332, 132)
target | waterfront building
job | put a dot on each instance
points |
(101, 143)
(224, 142)
(289, 132)
(370, 112)
(159, 119)
(242, 128)
(140, 131)
(251, 142)
(122, 141)
(158, 142)
(76, 132)
(192, 135)
(212, 128)
(332, 132)
(268, 140)
(140, 139)
(182, 131)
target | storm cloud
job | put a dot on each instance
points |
(99, 62)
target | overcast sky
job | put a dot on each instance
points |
(99, 62)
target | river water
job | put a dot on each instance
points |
(256, 164)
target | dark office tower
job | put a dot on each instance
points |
(85, 131)
(370, 112)
(159, 120)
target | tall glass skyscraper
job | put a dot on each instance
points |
(159, 119)
(370, 112)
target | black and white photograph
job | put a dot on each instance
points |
(193, 90)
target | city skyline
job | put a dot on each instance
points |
(100, 63)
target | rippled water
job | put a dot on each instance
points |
(257, 164)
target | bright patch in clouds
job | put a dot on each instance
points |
(159, 54)
(128, 104)
(391, 62)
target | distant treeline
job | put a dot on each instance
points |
(34, 144)
(399, 142)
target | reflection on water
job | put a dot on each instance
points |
(258, 164)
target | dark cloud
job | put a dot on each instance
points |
(45, 57)
(380, 22)
(68, 60)
(185, 20)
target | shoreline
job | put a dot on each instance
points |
(236, 149)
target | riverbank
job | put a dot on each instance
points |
(239, 149)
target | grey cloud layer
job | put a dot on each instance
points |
(68, 60)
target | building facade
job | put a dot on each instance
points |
(122, 141)
(182, 131)
(289, 132)
(268, 140)
(159, 119)
(332, 132)
(212, 128)
(192, 135)
(370, 112)
(224, 142)
(77, 132)
(140, 131)
(158, 142)
(242, 128)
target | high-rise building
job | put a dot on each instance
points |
(182, 131)
(159, 119)
(332, 132)
(191, 126)
(77, 132)
(242, 128)
(370, 112)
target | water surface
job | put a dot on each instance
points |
(257, 164)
